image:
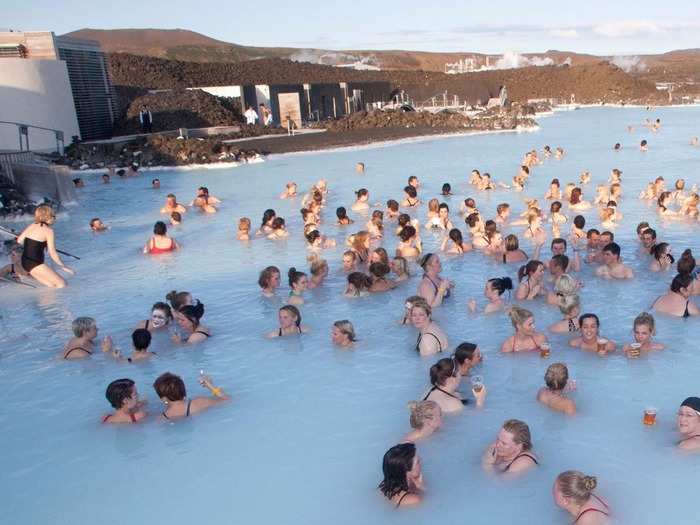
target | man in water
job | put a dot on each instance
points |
(172, 205)
(105, 178)
(155, 184)
(612, 267)
(97, 225)
(648, 238)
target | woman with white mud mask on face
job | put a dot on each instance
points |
(160, 318)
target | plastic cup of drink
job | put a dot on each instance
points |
(602, 343)
(650, 416)
(477, 383)
(635, 349)
(545, 350)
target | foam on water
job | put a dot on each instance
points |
(303, 438)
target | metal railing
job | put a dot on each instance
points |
(23, 132)
(7, 159)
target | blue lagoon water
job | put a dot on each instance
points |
(303, 438)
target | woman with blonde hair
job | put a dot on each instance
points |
(431, 338)
(511, 454)
(318, 269)
(343, 333)
(570, 307)
(526, 337)
(564, 286)
(426, 418)
(644, 328)
(399, 265)
(359, 243)
(573, 492)
(552, 396)
(35, 240)
(81, 345)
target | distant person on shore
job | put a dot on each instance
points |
(251, 117)
(146, 120)
(266, 114)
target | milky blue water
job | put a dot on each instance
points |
(303, 438)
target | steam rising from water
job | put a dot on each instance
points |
(629, 64)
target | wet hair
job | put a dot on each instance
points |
(383, 255)
(583, 317)
(555, 182)
(645, 319)
(511, 243)
(422, 411)
(360, 280)
(501, 284)
(341, 213)
(660, 201)
(613, 248)
(472, 219)
(266, 275)
(490, 229)
(501, 207)
(312, 236)
(159, 228)
(643, 143)
(392, 205)
(658, 251)
(278, 223)
(404, 219)
(519, 315)
(556, 376)
(423, 262)
(464, 352)
(525, 169)
(193, 312)
(93, 221)
(379, 270)
(294, 276)
(576, 486)
(592, 232)
(456, 236)
(170, 386)
(346, 328)
(178, 299)
(397, 463)
(555, 207)
(433, 205)
(294, 311)
(410, 191)
(444, 206)
(641, 227)
(119, 391)
(244, 224)
(267, 216)
(141, 338)
(407, 232)
(441, 371)
(681, 280)
(579, 221)
(680, 184)
(177, 217)
(561, 260)
(520, 432)
(412, 178)
(686, 263)
(81, 325)
(558, 240)
(164, 307)
(576, 194)
(446, 188)
(529, 268)
(469, 202)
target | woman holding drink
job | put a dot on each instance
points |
(643, 329)
(590, 338)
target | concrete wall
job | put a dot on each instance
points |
(222, 91)
(36, 92)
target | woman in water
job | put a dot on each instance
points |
(533, 286)
(243, 229)
(408, 305)
(298, 282)
(426, 418)
(458, 246)
(378, 272)
(343, 334)
(662, 259)
(269, 281)
(290, 191)
(466, 357)
(161, 316)
(82, 343)
(576, 201)
(318, 270)
(554, 191)
(171, 391)
(534, 230)
(570, 307)
(379, 255)
(526, 338)
(643, 328)
(358, 285)
(342, 214)
(493, 291)
(512, 252)
(289, 322)
(410, 197)
(445, 378)
(664, 201)
(359, 243)
(177, 300)
(553, 395)
(35, 239)
(409, 246)
(124, 398)
(689, 424)
(399, 265)
(511, 454)
(432, 287)
(188, 320)
(278, 230)
(590, 338)
(431, 338)
(677, 301)
(267, 219)
(573, 492)
(160, 242)
(361, 204)
(349, 261)
(403, 478)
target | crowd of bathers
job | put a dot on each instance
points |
(370, 269)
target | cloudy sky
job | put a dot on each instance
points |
(591, 26)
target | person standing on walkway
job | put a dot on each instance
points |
(251, 117)
(146, 120)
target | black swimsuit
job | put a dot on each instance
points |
(420, 338)
(187, 412)
(33, 254)
(437, 288)
(279, 332)
(523, 455)
(65, 356)
(686, 313)
(463, 401)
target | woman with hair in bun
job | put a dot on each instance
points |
(432, 287)
(298, 282)
(378, 272)
(493, 291)
(188, 320)
(361, 204)
(445, 378)
(553, 395)
(511, 454)
(426, 418)
(269, 281)
(526, 338)
(688, 422)
(177, 300)
(458, 246)
(343, 334)
(409, 244)
(533, 287)
(676, 301)
(466, 357)
(573, 492)
(289, 322)
(403, 478)
(686, 264)
(431, 338)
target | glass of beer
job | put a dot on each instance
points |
(602, 343)
(650, 416)
(545, 349)
(477, 383)
(634, 350)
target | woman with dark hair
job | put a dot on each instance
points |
(662, 259)
(161, 316)
(358, 285)
(268, 217)
(342, 214)
(378, 272)
(445, 378)
(493, 291)
(269, 281)
(298, 282)
(171, 391)
(431, 338)
(361, 203)
(410, 245)
(534, 284)
(278, 229)
(576, 201)
(177, 300)
(686, 265)
(403, 479)
(458, 247)
(511, 454)
(160, 242)
(290, 322)
(432, 287)
(677, 301)
(124, 398)
(590, 338)
(466, 357)
(188, 320)
(410, 197)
